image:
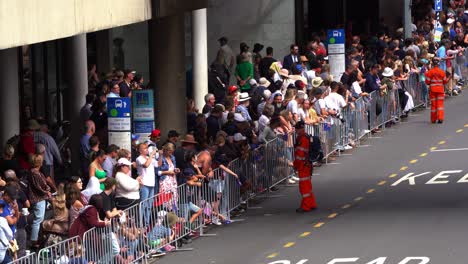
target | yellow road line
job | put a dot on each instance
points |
(459, 130)
(404, 168)
(433, 148)
(289, 244)
(413, 161)
(274, 255)
(423, 154)
(332, 215)
(358, 199)
(346, 206)
(319, 224)
(370, 191)
(305, 234)
(381, 183)
(393, 175)
(441, 142)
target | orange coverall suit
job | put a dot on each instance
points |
(304, 169)
(436, 79)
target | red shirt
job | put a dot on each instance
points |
(26, 148)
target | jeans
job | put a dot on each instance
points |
(146, 192)
(38, 212)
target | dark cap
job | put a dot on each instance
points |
(173, 133)
(223, 39)
(11, 191)
(299, 125)
(257, 47)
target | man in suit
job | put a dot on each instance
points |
(126, 85)
(292, 58)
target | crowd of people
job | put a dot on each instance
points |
(268, 97)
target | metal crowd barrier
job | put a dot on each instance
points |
(28, 259)
(67, 251)
(158, 224)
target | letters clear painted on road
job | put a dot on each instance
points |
(379, 260)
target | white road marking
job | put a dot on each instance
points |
(446, 150)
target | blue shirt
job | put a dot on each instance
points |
(442, 53)
(244, 112)
(7, 212)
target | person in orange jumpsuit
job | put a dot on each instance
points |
(304, 168)
(436, 79)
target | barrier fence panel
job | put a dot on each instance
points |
(101, 245)
(159, 222)
(28, 259)
(67, 251)
(129, 234)
(154, 219)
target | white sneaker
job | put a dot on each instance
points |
(348, 147)
(367, 131)
(216, 221)
(291, 181)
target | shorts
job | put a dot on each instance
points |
(217, 185)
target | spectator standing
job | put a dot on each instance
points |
(111, 160)
(114, 90)
(95, 168)
(5, 236)
(126, 85)
(187, 144)
(8, 162)
(227, 53)
(169, 170)
(244, 72)
(291, 58)
(127, 193)
(52, 152)
(152, 145)
(242, 108)
(266, 62)
(85, 111)
(210, 101)
(39, 192)
(26, 144)
(172, 137)
(146, 164)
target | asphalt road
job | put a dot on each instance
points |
(371, 211)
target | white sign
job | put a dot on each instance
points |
(439, 178)
(336, 48)
(121, 139)
(337, 65)
(143, 113)
(119, 124)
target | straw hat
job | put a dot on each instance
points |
(284, 73)
(316, 82)
(387, 72)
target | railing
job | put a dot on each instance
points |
(158, 224)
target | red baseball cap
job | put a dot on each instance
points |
(155, 133)
(232, 88)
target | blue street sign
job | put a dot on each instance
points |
(336, 36)
(438, 5)
(119, 107)
(143, 127)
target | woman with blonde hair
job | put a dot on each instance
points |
(169, 171)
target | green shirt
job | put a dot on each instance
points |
(245, 70)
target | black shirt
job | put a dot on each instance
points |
(264, 66)
(108, 204)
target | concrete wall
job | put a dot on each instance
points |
(31, 21)
(392, 13)
(269, 22)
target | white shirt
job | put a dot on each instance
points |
(309, 75)
(127, 187)
(335, 101)
(147, 174)
(263, 122)
(293, 106)
(6, 235)
(303, 114)
(92, 188)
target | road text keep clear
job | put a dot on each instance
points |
(380, 260)
(443, 177)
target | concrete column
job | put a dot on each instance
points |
(167, 72)
(77, 89)
(200, 56)
(407, 18)
(9, 101)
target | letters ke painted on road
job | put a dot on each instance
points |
(442, 177)
(380, 260)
